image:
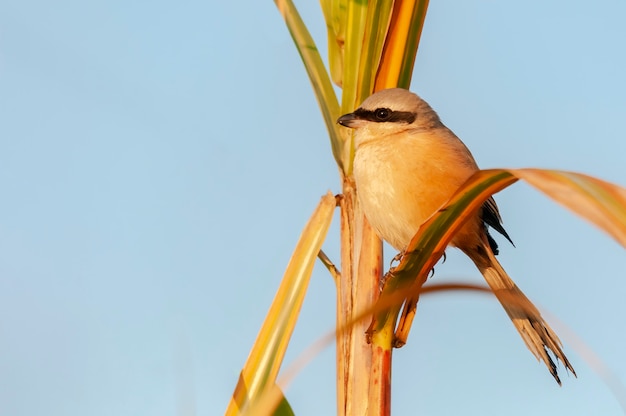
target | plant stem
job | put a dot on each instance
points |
(363, 369)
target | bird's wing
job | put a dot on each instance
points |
(491, 217)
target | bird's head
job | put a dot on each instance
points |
(389, 112)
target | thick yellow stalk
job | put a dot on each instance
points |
(357, 290)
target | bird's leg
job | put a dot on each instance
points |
(386, 276)
(396, 258)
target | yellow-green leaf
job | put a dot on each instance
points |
(318, 75)
(266, 356)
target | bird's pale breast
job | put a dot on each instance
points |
(403, 179)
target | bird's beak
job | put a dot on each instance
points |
(349, 120)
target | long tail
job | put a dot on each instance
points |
(535, 332)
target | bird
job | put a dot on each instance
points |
(407, 165)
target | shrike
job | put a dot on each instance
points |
(406, 166)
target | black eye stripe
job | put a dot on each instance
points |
(393, 117)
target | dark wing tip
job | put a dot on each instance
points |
(491, 217)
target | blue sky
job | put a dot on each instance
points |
(158, 161)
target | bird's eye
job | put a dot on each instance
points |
(382, 114)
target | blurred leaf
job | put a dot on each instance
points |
(268, 351)
(600, 202)
(593, 360)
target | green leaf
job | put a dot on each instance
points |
(318, 75)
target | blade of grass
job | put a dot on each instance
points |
(335, 16)
(400, 48)
(318, 75)
(376, 29)
(266, 356)
(356, 19)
